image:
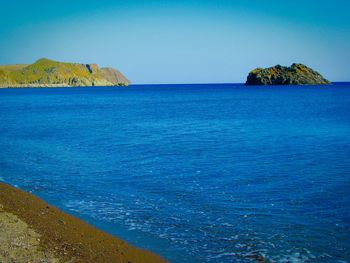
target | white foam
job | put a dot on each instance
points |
(227, 254)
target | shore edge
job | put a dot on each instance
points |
(60, 236)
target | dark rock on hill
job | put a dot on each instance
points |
(297, 74)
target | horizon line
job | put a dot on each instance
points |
(213, 83)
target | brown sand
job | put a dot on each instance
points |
(33, 231)
(19, 243)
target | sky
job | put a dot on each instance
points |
(180, 41)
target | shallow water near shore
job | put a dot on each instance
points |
(195, 173)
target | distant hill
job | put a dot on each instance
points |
(50, 73)
(296, 74)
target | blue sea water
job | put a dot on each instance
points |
(196, 173)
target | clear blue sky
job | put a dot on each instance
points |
(180, 41)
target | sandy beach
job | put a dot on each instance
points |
(33, 231)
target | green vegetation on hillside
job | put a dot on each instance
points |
(46, 72)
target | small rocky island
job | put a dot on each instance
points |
(50, 73)
(297, 74)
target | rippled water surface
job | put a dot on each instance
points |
(196, 173)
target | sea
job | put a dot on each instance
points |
(195, 173)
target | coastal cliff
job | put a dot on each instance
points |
(296, 74)
(50, 73)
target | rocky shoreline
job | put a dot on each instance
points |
(33, 231)
(50, 86)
